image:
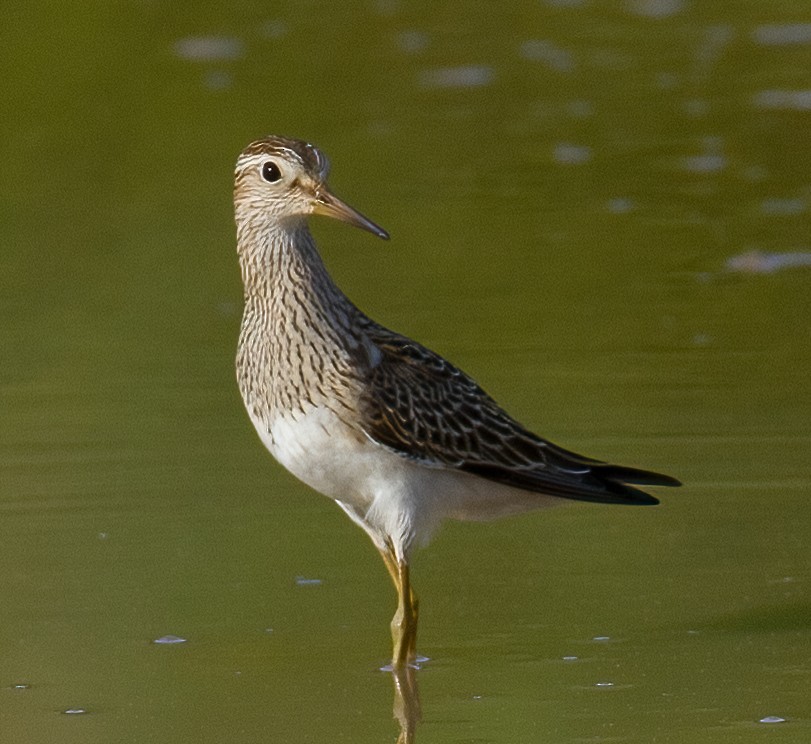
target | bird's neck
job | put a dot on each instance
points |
(282, 269)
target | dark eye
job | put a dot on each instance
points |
(271, 172)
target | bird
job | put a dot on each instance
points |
(400, 438)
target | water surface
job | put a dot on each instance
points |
(571, 188)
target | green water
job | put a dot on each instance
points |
(564, 182)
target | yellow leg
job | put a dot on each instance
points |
(390, 560)
(404, 622)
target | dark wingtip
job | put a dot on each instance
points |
(617, 479)
(636, 476)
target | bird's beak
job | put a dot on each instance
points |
(329, 205)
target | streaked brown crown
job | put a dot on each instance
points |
(309, 157)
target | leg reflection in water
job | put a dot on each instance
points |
(406, 702)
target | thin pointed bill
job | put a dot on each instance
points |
(329, 205)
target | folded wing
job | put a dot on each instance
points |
(424, 408)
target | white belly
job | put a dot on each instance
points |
(390, 496)
(319, 449)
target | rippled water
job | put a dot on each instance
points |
(599, 210)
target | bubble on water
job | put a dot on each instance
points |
(763, 262)
(169, 640)
(75, 711)
(712, 160)
(796, 100)
(713, 42)
(21, 686)
(696, 108)
(569, 154)
(548, 53)
(303, 581)
(705, 163)
(781, 34)
(772, 719)
(619, 205)
(603, 684)
(208, 48)
(601, 638)
(569, 658)
(465, 76)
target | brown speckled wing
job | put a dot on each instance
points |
(424, 408)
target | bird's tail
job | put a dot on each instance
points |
(635, 476)
(616, 480)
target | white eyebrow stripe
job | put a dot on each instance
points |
(247, 160)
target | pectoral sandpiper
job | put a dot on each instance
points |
(398, 437)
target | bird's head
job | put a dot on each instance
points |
(281, 181)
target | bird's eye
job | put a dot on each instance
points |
(271, 172)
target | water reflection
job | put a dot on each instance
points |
(407, 710)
